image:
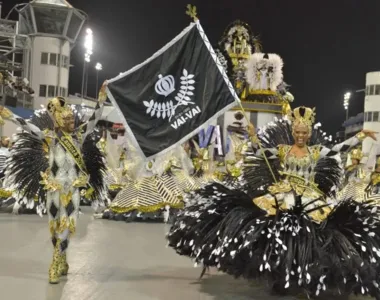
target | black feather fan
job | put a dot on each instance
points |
(26, 162)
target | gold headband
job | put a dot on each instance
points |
(303, 115)
(59, 110)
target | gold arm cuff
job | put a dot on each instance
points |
(145, 209)
(5, 113)
(360, 136)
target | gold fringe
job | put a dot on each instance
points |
(361, 136)
(262, 92)
(145, 209)
(114, 187)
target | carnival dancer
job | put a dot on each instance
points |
(117, 166)
(375, 177)
(151, 194)
(373, 188)
(56, 164)
(279, 225)
(356, 177)
(5, 192)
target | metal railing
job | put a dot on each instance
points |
(24, 99)
(8, 27)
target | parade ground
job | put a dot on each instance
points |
(109, 260)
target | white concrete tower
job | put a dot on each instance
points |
(53, 27)
(371, 107)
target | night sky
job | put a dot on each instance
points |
(327, 46)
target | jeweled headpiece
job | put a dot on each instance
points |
(59, 110)
(356, 154)
(303, 115)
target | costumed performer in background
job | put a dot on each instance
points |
(357, 175)
(55, 164)
(373, 187)
(279, 225)
(152, 193)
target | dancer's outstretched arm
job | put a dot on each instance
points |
(348, 144)
(89, 126)
(270, 153)
(6, 114)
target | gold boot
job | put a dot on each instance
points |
(53, 270)
(63, 266)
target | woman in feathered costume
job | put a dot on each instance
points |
(53, 165)
(279, 225)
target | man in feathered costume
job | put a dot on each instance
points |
(56, 163)
(279, 225)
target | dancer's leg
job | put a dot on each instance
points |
(68, 214)
(53, 210)
(63, 266)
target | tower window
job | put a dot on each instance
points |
(369, 116)
(53, 59)
(59, 63)
(375, 116)
(62, 91)
(44, 58)
(377, 89)
(371, 89)
(65, 61)
(51, 91)
(42, 92)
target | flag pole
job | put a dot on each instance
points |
(192, 13)
(258, 143)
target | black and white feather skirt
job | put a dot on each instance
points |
(221, 227)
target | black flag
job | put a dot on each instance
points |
(167, 99)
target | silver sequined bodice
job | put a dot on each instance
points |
(302, 167)
(62, 165)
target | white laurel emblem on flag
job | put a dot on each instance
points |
(166, 86)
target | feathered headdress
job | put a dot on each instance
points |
(303, 115)
(59, 110)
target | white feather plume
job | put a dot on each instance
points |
(252, 65)
(257, 66)
(276, 62)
